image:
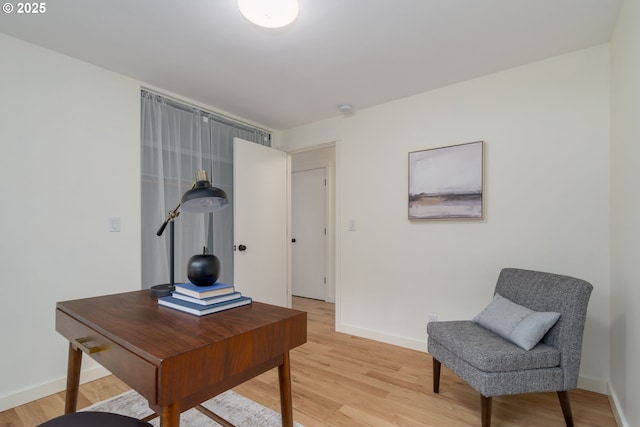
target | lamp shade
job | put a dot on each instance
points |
(203, 197)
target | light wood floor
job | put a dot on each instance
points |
(341, 380)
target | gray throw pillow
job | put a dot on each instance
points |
(516, 323)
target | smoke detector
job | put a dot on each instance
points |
(345, 108)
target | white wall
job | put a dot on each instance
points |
(70, 159)
(625, 211)
(75, 128)
(546, 128)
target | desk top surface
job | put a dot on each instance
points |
(137, 322)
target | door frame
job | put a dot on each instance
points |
(330, 212)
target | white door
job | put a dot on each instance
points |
(260, 197)
(308, 233)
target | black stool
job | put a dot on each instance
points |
(94, 419)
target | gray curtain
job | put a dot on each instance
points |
(178, 139)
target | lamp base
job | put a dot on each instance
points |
(163, 290)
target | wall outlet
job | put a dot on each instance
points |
(432, 318)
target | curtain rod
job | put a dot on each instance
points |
(187, 106)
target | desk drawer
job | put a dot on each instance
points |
(135, 371)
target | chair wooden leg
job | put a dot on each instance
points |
(436, 376)
(565, 404)
(485, 403)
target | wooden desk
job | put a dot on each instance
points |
(176, 360)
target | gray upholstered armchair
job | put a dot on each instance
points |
(489, 352)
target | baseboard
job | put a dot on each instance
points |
(592, 384)
(618, 413)
(47, 389)
(406, 342)
(586, 383)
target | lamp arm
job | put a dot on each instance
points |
(172, 215)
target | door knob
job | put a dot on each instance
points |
(242, 248)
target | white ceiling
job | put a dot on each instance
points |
(362, 52)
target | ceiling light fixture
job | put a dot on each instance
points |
(269, 13)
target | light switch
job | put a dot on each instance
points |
(351, 225)
(114, 224)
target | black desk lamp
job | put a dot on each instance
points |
(202, 197)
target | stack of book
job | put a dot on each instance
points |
(201, 300)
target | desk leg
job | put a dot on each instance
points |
(73, 380)
(170, 416)
(286, 406)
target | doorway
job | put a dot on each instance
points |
(312, 223)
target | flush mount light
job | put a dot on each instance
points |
(269, 13)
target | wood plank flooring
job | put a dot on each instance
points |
(345, 381)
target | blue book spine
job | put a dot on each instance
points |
(209, 300)
(199, 310)
(203, 291)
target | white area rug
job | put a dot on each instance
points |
(231, 406)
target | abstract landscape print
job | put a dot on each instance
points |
(447, 182)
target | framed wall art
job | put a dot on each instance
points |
(447, 182)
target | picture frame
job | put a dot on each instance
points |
(447, 182)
